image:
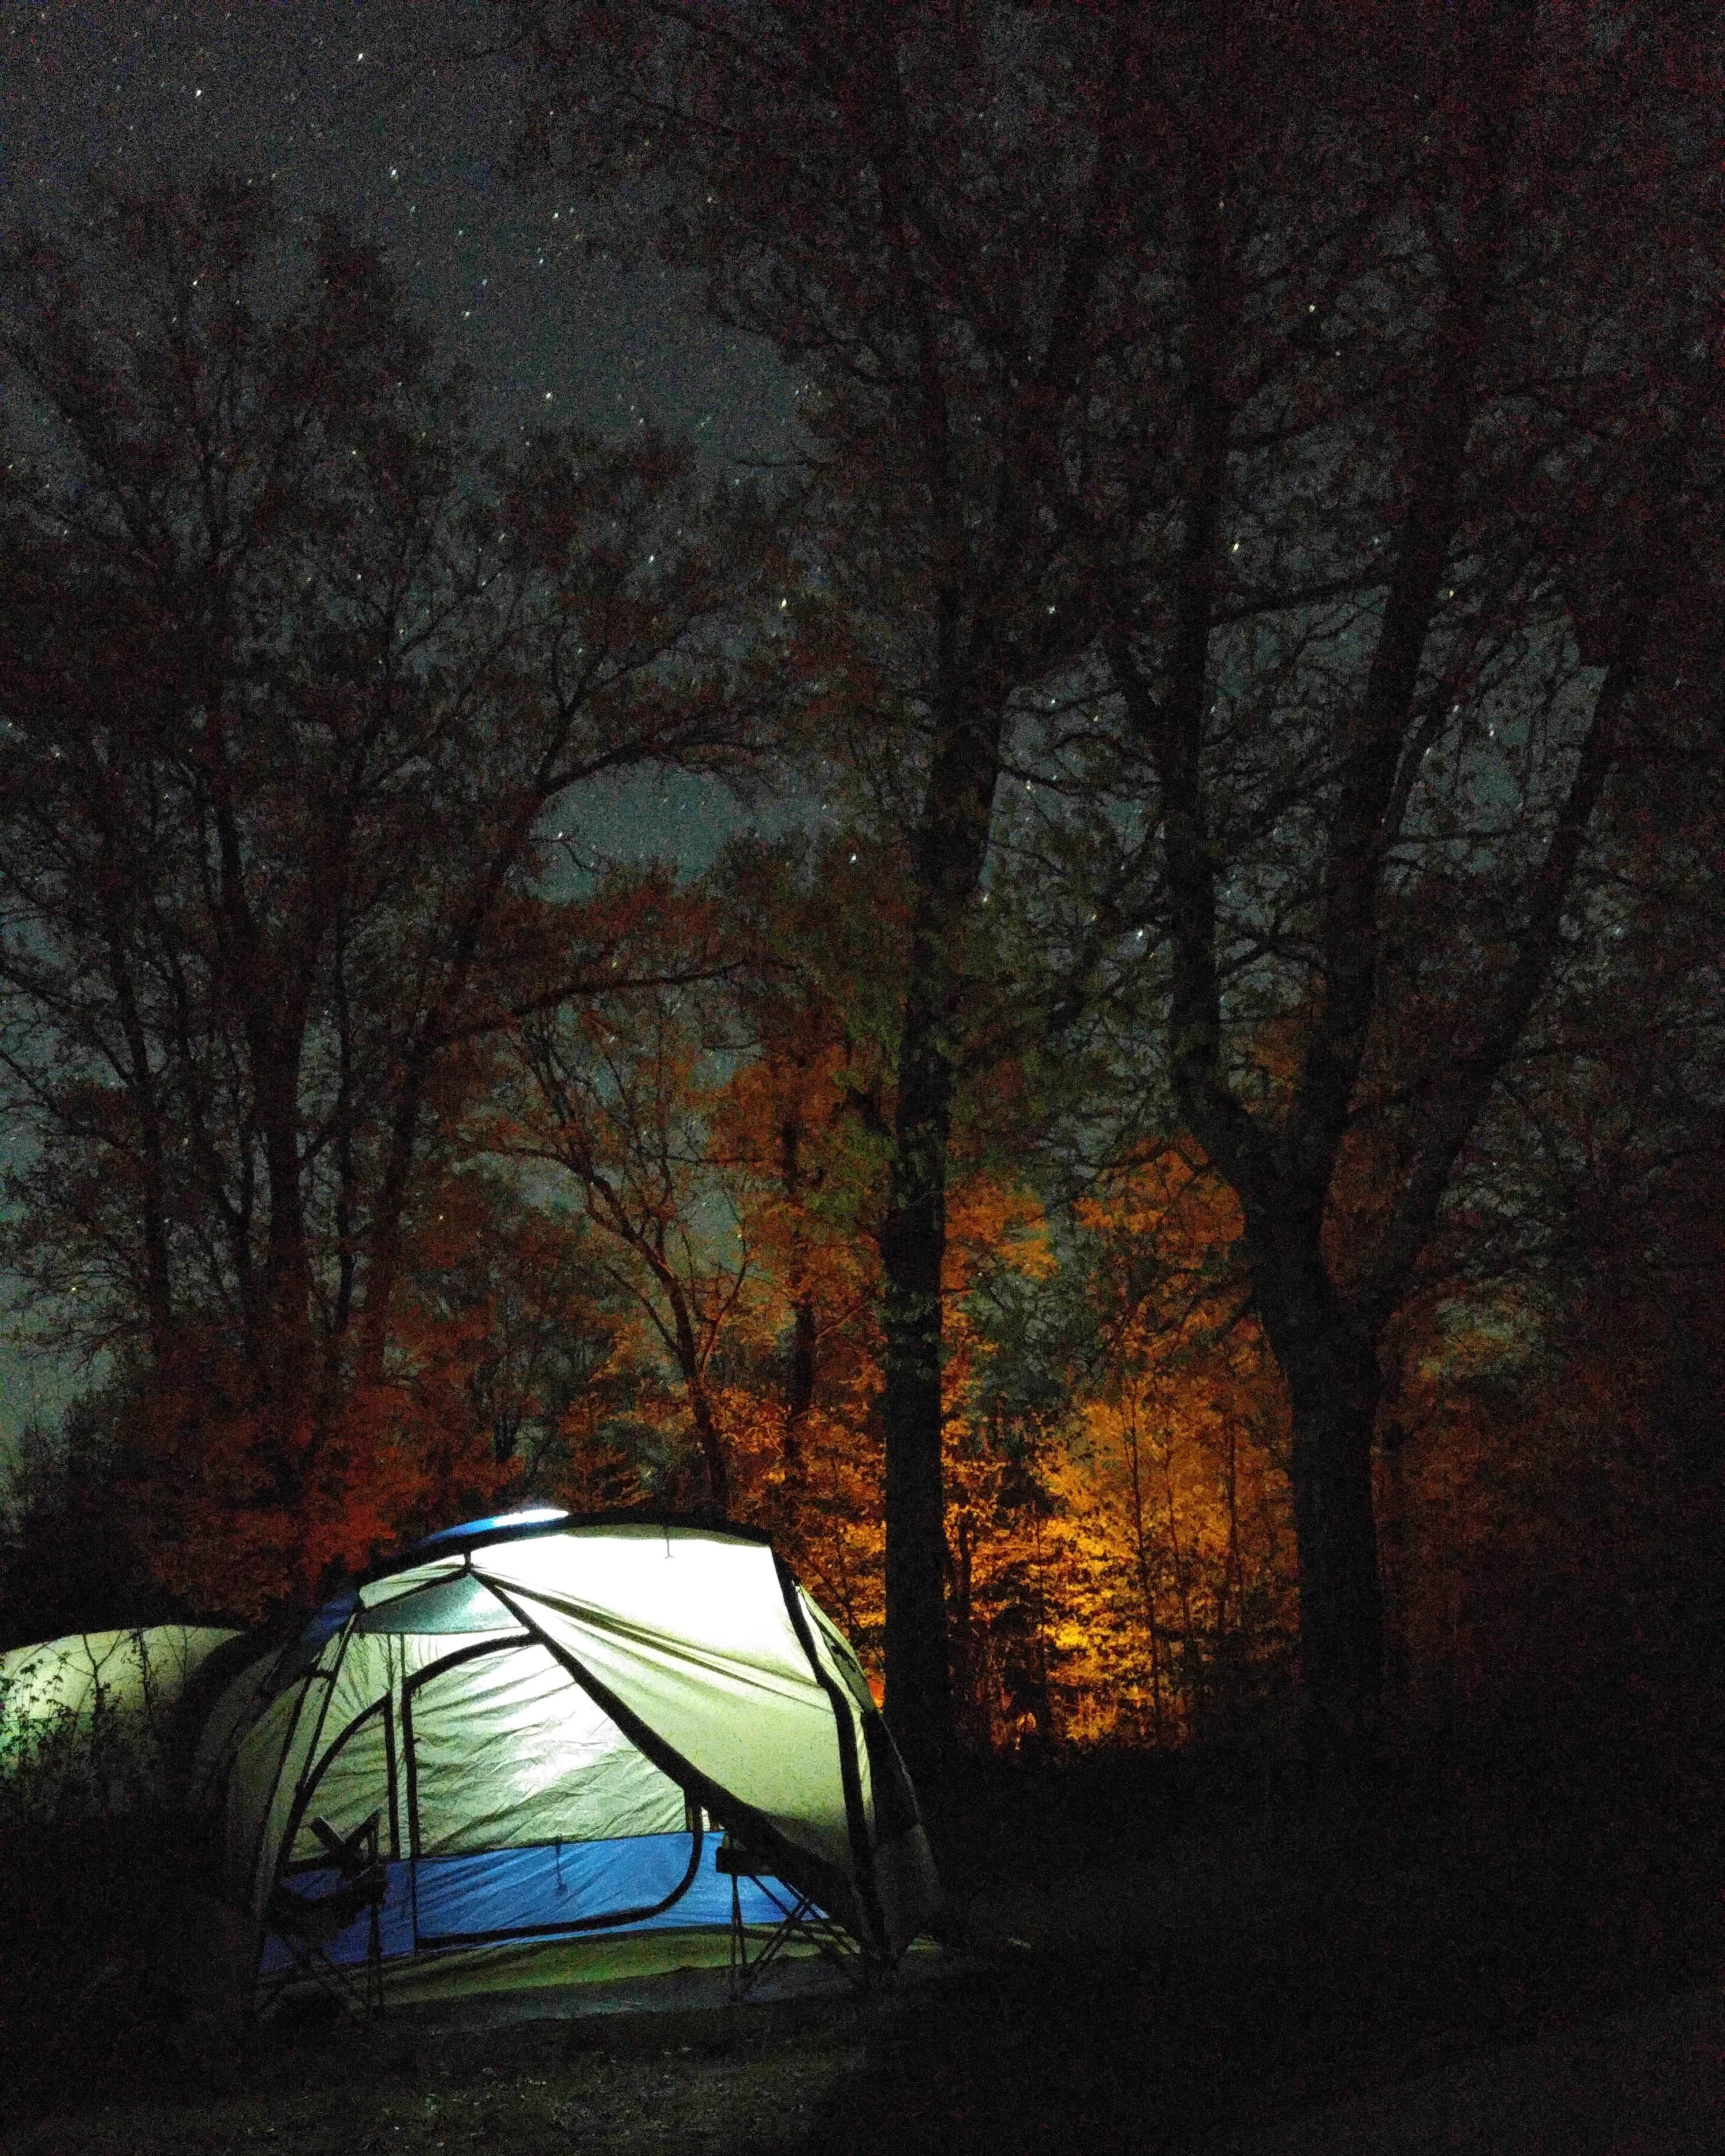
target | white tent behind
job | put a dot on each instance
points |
(88, 1722)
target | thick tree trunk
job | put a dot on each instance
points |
(1328, 1356)
(710, 1446)
(1393, 1567)
(691, 1364)
(952, 844)
(919, 1693)
(1333, 1389)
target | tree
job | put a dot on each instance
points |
(291, 684)
(1329, 404)
(1418, 583)
(1550, 1482)
(514, 1349)
(1187, 1429)
(802, 1122)
(614, 1093)
(842, 179)
(720, 1124)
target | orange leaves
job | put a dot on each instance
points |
(992, 1224)
(239, 1511)
(1188, 1527)
(285, 798)
(804, 1168)
(1166, 1232)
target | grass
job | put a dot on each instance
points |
(1153, 1960)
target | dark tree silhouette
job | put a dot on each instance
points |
(289, 684)
(842, 178)
(1330, 399)
(1427, 559)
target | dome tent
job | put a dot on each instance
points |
(91, 1723)
(550, 1716)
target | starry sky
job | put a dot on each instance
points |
(357, 106)
(377, 110)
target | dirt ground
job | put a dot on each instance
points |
(606, 2068)
(528, 2097)
(1651, 2083)
(1138, 1971)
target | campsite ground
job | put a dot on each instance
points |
(1154, 1959)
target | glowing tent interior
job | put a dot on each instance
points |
(549, 1717)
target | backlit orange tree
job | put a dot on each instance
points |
(1185, 1440)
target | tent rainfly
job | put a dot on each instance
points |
(550, 1716)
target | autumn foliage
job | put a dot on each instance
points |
(1189, 1165)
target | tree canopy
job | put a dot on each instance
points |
(1160, 1188)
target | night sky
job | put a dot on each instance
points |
(353, 106)
(346, 105)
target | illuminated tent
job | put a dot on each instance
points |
(552, 1718)
(91, 1723)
